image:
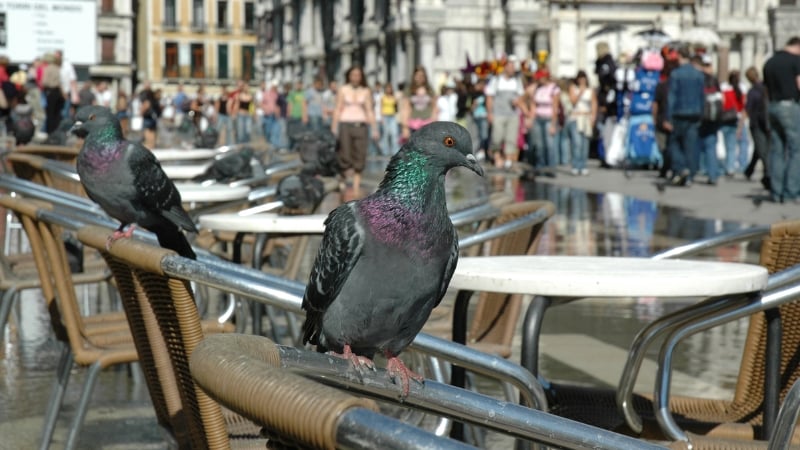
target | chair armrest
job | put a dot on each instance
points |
(709, 310)
(732, 237)
(243, 373)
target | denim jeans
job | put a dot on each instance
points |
(390, 137)
(225, 126)
(683, 145)
(483, 132)
(269, 123)
(315, 123)
(707, 152)
(744, 148)
(563, 140)
(735, 148)
(784, 161)
(546, 152)
(580, 145)
(244, 126)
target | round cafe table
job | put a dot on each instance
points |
(215, 193)
(565, 278)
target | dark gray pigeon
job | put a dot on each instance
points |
(386, 260)
(233, 166)
(127, 181)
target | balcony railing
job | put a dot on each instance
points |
(210, 76)
(223, 28)
(198, 27)
(169, 25)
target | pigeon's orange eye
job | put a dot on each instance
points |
(449, 141)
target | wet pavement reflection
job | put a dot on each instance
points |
(586, 223)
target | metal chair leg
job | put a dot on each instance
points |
(6, 302)
(63, 371)
(83, 405)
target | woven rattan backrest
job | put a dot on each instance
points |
(34, 167)
(51, 264)
(197, 419)
(144, 329)
(496, 314)
(780, 250)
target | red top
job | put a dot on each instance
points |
(729, 100)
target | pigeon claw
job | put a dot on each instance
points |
(398, 371)
(359, 362)
(119, 234)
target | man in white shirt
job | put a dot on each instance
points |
(103, 95)
(69, 83)
(503, 98)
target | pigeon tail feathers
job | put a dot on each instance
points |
(169, 236)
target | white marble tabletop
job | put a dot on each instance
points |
(184, 171)
(592, 276)
(179, 154)
(197, 193)
(264, 223)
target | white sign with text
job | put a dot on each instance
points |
(31, 28)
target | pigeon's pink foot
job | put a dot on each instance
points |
(398, 371)
(118, 234)
(359, 362)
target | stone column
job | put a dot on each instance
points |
(748, 52)
(370, 63)
(427, 50)
(723, 58)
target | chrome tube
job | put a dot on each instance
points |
(642, 341)
(361, 428)
(442, 399)
(531, 390)
(781, 437)
(527, 220)
(692, 248)
(684, 317)
(665, 420)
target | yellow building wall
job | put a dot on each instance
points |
(151, 57)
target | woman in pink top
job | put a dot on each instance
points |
(353, 117)
(545, 123)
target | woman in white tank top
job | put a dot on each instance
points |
(582, 118)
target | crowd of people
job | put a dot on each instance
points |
(767, 110)
(515, 114)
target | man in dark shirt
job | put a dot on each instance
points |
(659, 110)
(782, 80)
(756, 108)
(682, 118)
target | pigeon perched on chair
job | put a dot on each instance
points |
(233, 166)
(22, 125)
(127, 181)
(386, 260)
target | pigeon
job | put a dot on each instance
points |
(233, 166)
(386, 260)
(127, 181)
(60, 136)
(22, 125)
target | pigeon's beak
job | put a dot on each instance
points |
(473, 164)
(78, 130)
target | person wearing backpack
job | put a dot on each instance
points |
(732, 123)
(710, 123)
(682, 118)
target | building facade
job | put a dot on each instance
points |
(209, 42)
(114, 45)
(308, 38)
